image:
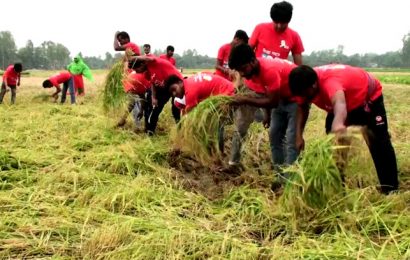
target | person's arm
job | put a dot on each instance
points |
(55, 94)
(219, 66)
(18, 79)
(117, 45)
(269, 101)
(142, 58)
(302, 115)
(267, 115)
(154, 100)
(297, 59)
(340, 112)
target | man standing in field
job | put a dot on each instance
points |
(221, 67)
(64, 78)
(350, 96)
(147, 50)
(156, 70)
(169, 55)
(275, 40)
(11, 79)
(267, 80)
(122, 42)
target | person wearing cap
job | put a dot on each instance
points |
(221, 67)
(350, 96)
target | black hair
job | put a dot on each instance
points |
(171, 80)
(47, 84)
(301, 78)
(18, 67)
(242, 35)
(281, 12)
(240, 55)
(135, 64)
(147, 45)
(170, 48)
(123, 35)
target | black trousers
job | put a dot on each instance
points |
(151, 114)
(378, 141)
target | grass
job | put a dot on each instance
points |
(74, 187)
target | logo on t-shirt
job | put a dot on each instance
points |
(283, 45)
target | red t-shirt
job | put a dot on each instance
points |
(59, 78)
(273, 76)
(136, 83)
(159, 70)
(11, 76)
(223, 55)
(352, 80)
(133, 47)
(203, 85)
(170, 59)
(269, 43)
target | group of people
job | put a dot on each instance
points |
(71, 79)
(284, 90)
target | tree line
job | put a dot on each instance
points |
(50, 55)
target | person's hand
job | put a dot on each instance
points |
(266, 120)
(238, 100)
(140, 114)
(18, 84)
(154, 102)
(300, 143)
(338, 128)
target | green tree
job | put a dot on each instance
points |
(8, 49)
(406, 50)
(26, 55)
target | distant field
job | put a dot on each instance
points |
(72, 186)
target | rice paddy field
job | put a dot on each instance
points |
(73, 186)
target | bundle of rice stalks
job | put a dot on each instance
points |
(114, 96)
(315, 180)
(198, 132)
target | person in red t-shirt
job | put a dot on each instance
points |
(169, 55)
(123, 42)
(275, 39)
(267, 81)
(135, 85)
(147, 50)
(64, 78)
(197, 88)
(221, 67)
(11, 79)
(176, 113)
(157, 70)
(350, 96)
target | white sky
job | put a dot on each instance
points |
(362, 26)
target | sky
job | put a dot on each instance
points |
(361, 26)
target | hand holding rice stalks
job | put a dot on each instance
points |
(199, 131)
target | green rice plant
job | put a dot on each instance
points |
(114, 96)
(198, 131)
(315, 180)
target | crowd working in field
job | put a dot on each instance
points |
(262, 85)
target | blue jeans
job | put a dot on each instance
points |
(282, 134)
(68, 85)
